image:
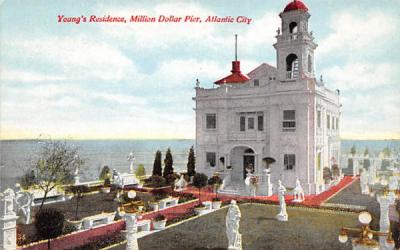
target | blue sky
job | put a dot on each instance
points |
(135, 80)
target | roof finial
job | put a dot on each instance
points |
(235, 47)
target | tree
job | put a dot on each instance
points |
(215, 181)
(28, 179)
(191, 164)
(353, 150)
(366, 151)
(386, 152)
(168, 164)
(140, 171)
(105, 173)
(55, 166)
(78, 192)
(200, 181)
(49, 224)
(157, 167)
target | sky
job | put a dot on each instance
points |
(136, 80)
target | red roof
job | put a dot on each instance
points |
(235, 77)
(295, 5)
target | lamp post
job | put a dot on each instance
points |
(365, 239)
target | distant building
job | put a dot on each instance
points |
(279, 112)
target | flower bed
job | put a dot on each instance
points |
(101, 242)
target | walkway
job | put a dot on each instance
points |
(310, 200)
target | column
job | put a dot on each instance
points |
(131, 230)
(355, 167)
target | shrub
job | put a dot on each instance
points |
(215, 180)
(199, 181)
(327, 174)
(159, 217)
(140, 171)
(155, 181)
(105, 173)
(216, 199)
(49, 223)
(28, 179)
(107, 182)
(170, 179)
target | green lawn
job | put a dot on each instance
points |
(306, 229)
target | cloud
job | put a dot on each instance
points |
(74, 57)
(27, 76)
(355, 32)
(361, 76)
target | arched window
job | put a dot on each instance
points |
(292, 66)
(293, 27)
(310, 63)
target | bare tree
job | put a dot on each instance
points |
(56, 166)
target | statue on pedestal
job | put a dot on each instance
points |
(282, 216)
(298, 192)
(232, 227)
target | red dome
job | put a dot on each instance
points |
(295, 5)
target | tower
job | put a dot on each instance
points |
(295, 44)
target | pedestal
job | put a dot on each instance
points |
(8, 232)
(131, 230)
(384, 202)
(76, 180)
(266, 185)
(282, 217)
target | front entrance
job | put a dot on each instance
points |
(248, 162)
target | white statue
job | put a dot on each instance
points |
(131, 159)
(117, 178)
(23, 201)
(298, 192)
(7, 202)
(180, 184)
(232, 227)
(282, 216)
(364, 178)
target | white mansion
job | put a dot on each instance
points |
(282, 113)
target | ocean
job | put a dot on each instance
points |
(17, 155)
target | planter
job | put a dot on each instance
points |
(105, 190)
(200, 210)
(77, 224)
(159, 225)
(216, 204)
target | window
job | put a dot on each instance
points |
(250, 123)
(211, 120)
(242, 123)
(292, 66)
(210, 158)
(289, 120)
(328, 121)
(289, 160)
(256, 83)
(260, 121)
(293, 27)
(333, 122)
(319, 118)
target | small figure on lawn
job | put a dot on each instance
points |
(298, 192)
(282, 216)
